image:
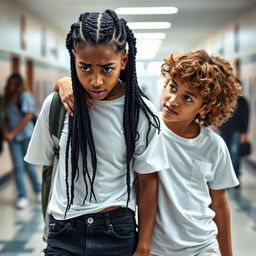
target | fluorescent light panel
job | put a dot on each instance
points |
(149, 25)
(147, 36)
(147, 10)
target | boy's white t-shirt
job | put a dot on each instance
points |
(110, 183)
(184, 222)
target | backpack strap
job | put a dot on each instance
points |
(56, 121)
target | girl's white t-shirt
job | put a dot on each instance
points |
(184, 222)
(110, 182)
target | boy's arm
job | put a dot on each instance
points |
(64, 86)
(222, 219)
(147, 206)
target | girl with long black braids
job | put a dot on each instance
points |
(102, 150)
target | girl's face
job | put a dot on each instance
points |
(181, 103)
(98, 70)
(12, 85)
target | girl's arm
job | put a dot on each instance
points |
(5, 125)
(9, 136)
(222, 219)
(147, 206)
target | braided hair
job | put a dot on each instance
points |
(95, 29)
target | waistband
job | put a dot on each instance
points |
(110, 214)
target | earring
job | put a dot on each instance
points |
(200, 119)
(123, 66)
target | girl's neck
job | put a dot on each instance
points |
(184, 130)
(117, 92)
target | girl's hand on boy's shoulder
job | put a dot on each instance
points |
(64, 86)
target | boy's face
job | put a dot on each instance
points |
(98, 70)
(181, 102)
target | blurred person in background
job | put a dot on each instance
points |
(1, 124)
(234, 132)
(17, 130)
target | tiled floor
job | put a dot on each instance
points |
(21, 230)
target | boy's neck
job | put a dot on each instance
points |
(184, 130)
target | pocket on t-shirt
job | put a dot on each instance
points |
(201, 171)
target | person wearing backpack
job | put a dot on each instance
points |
(17, 131)
(105, 156)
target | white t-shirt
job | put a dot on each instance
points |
(110, 183)
(184, 222)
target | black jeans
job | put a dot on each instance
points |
(100, 234)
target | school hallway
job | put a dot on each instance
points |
(21, 230)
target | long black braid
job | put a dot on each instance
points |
(105, 28)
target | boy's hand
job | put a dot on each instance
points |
(243, 138)
(64, 86)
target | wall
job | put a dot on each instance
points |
(236, 42)
(27, 37)
(37, 39)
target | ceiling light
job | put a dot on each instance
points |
(149, 25)
(147, 36)
(147, 10)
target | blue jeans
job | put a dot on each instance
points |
(100, 234)
(18, 151)
(233, 143)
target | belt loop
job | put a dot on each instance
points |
(72, 222)
(107, 220)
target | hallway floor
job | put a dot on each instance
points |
(21, 230)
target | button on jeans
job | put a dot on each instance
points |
(100, 234)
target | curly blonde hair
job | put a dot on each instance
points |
(212, 75)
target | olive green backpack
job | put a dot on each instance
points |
(56, 121)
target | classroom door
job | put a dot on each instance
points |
(15, 64)
(30, 75)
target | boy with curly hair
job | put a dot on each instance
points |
(193, 214)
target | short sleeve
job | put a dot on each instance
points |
(224, 176)
(41, 147)
(149, 157)
(27, 102)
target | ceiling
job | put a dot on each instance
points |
(195, 20)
